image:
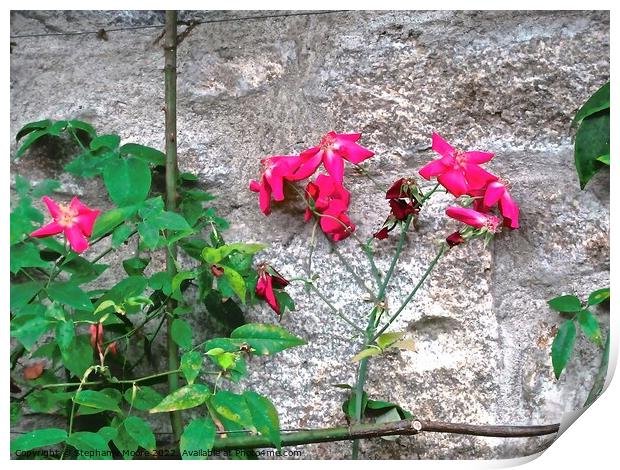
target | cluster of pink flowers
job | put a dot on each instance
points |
(460, 173)
(326, 196)
(76, 221)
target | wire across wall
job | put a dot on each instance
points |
(110, 29)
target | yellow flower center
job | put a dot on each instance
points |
(67, 216)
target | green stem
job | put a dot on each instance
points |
(170, 79)
(101, 382)
(373, 430)
(442, 250)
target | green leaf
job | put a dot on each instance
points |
(107, 432)
(91, 444)
(180, 277)
(191, 363)
(142, 152)
(29, 140)
(26, 255)
(149, 233)
(233, 410)
(32, 126)
(197, 439)
(105, 141)
(181, 333)
(562, 346)
(67, 293)
(98, 400)
(167, 220)
(65, 332)
(215, 255)
(128, 181)
(28, 329)
(601, 375)
(264, 417)
(109, 220)
(227, 312)
(388, 339)
(591, 141)
(598, 296)
(145, 397)
(83, 126)
(184, 398)
(38, 438)
(565, 303)
(135, 266)
(236, 282)
(15, 413)
(22, 293)
(265, 339)
(604, 159)
(78, 356)
(121, 234)
(126, 445)
(597, 102)
(364, 353)
(590, 327)
(140, 431)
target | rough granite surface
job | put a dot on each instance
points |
(507, 82)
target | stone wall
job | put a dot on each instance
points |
(506, 82)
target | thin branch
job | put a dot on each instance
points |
(397, 428)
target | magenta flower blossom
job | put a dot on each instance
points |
(76, 221)
(497, 193)
(265, 287)
(474, 218)
(332, 151)
(331, 200)
(457, 171)
(277, 169)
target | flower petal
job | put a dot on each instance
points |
(52, 207)
(478, 157)
(454, 181)
(334, 164)
(53, 228)
(310, 161)
(77, 240)
(354, 153)
(436, 167)
(493, 193)
(477, 177)
(86, 221)
(442, 147)
(510, 210)
(467, 216)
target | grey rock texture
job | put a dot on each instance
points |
(506, 82)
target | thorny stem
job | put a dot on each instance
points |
(362, 371)
(442, 251)
(170, 79)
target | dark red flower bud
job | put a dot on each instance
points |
(401, 209)
(455, 239)
(382, 234)
(395, 190)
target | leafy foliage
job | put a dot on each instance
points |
(94, 339)
(592, 138)
(578, 315)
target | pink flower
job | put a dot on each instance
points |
(277, 169)
(332, 151)
(266, 284)
(76, 221)
(497, 193)
(457, 171)
(474, 218)
(331, 200)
